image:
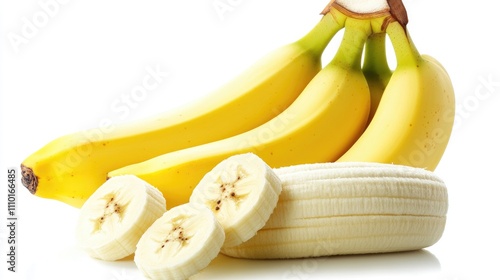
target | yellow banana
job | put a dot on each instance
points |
(375, 66)
(414, 119)
(324, 121)
(72, 167)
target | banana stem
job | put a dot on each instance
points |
(351, 48)
(404, 48)
(318, 38)
(375, 61)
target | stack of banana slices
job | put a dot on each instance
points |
(245, 209)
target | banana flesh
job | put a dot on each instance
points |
(323, 209)
(116, 215)
(229, 205)
(350, 208)
(180, 243)
(242, 191)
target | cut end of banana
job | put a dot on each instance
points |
(180, 243)
(242, 191)
(116, 215)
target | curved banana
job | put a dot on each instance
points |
(414, 119)
(72, 167)
(324, 121)
(376, 69)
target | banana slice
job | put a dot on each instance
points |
(116, 215)
(180, 243)
(242, 191)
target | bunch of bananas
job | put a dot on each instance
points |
(286, 109)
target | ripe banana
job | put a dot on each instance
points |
(414, 119)
(350, 208)
(180, 243)
(72, 167)
(242, 191)
(113, 219)
(321, 124)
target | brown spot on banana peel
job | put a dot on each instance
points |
(29, 178)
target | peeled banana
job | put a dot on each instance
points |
(72, 167)
(350, 208)
(320, 125)
(414, 119)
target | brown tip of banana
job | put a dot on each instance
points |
(29, 179)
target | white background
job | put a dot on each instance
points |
(86, 55)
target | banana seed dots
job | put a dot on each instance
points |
(228, 190)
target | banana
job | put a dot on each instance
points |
(414, 119)
(376, 69)
(113, 219)
(72, 167)
(320, 125)
(180, 243)
(242, 191)
(350, 208)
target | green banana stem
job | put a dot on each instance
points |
(376, 69)
(351, 48)
(404, 48)
(318, 38)
(375, 61)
